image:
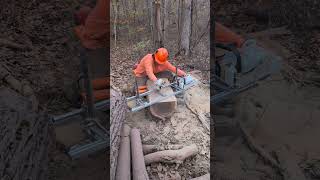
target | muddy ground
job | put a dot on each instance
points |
(281, 114)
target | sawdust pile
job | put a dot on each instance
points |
(37, 44)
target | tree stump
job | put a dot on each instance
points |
(118, 110)
(26, 139)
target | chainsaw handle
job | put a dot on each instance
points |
(232, 48)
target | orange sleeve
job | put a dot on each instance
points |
(171, 68)
(149, 70)
(225, 35)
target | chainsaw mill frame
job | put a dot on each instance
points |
(98, 136)
(179, 85)
(222, 90)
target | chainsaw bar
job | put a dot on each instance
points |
(178, 87)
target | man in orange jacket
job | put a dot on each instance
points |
(154, 66)
(93, 32)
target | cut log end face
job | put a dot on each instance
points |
(165, 108)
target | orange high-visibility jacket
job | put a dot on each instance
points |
(148, 67)
(225, 35)
(95, 33)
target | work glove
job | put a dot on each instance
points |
(159, 83)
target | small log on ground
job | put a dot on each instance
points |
(204, 177)
(147, 149)
(124, 164)
(165, 108)
(139, 171)
(171, 156)
(117, 115)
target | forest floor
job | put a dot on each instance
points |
(48, 61)
(285, 122)
(183, 127)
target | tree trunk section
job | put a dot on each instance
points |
(139, 171)
(118, 110)
(124, 159)
(186, 26)
(26, 138)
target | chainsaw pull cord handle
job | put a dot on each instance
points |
(87, 83)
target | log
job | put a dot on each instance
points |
(117, 115)
(26, 138)
(171, 156)
(204, 177)
(147, 149)
(139, 171)
(163, 109)
(124, 164)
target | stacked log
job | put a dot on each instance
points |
(117, 115)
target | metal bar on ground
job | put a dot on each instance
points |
(77, 151)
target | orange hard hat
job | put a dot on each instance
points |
(161, 55)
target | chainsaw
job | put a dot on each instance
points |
(239, 70)
(179, 85)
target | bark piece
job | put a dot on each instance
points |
(139, 171)
(117, 115)
(171, 156)
(124, 164)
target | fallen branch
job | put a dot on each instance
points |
(10, 44)
(259, 150)
(139, 171)
(204, 177)
(147, 149)
(124, 164)
(171, 156)
(201, 117)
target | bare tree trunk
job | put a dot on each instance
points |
(115, 7)
(151, 19)
(26, 138)
(179, 20)
(165, 20)
(117, 116)
(186, 26)
(158, 40)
